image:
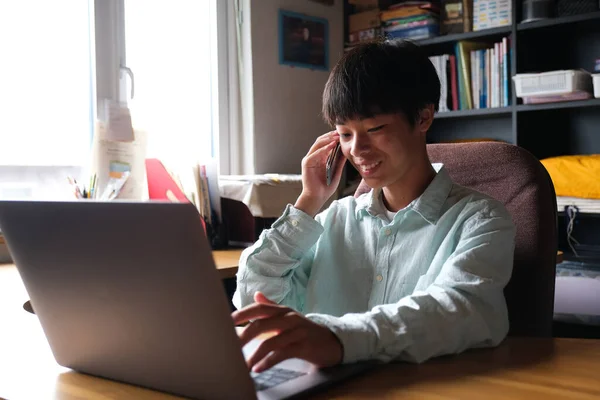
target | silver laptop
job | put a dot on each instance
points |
(130, 292)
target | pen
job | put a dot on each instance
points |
(93, 188)
(73, 182)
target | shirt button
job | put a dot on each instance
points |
(294, 222)
(388, 232)
(379, 278)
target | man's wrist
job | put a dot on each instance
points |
(308, 205)
(340, 344)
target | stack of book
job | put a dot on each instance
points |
(411, 20)
(476, 76)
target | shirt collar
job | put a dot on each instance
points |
(428, 205)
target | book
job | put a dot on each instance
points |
(403, 12)
(463, 55)
(421, 32)
(423, 22)
(401, 21)
(453, 82)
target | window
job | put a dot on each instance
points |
(46, 76)
(63, 57)
(168, 48)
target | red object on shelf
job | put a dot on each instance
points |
(161, 185)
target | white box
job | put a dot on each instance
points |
(491, 14)
(552, 83)
(596, 85)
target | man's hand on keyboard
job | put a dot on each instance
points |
(294, 336)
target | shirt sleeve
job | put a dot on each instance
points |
(279, 263)
(464, 307)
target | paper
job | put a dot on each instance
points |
(212, 176)
(113, 158)
(119, 127)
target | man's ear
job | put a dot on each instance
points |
(426, 118)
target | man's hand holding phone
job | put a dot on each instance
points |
(321, 173)
(332, 163)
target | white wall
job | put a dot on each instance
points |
(287, 101)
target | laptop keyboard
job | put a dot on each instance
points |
(273, 377)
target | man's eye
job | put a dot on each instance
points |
(377, 128)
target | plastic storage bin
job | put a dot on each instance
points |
(596, 85)
(552, 83)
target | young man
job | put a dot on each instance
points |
(411, 270)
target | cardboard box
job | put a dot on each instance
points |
(456, 16)
(360, 36)
(364, 5)
(364, 20)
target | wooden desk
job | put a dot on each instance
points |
(518, 369)
(227, 262)
(521, 368)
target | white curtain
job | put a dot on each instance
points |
(241, 109)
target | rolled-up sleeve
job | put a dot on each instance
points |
(463, 307)
(279, 263)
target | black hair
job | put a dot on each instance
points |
(380, 77)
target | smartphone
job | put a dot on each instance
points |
(331, 163)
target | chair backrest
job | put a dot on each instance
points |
(515, 177)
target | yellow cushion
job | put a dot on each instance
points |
(575, 176)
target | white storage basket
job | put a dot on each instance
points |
(552, 83)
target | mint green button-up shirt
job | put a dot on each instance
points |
(427, 283)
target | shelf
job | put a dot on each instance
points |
(503, 30)
(559, 21)
(474, 113)
(482, 112)
(557, 106)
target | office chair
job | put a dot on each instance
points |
(515, 177)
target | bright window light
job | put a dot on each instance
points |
(46, 84)
(168, 49)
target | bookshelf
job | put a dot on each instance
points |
(485, 34)
(595, 16)
(474, 113)
(557, 106)
(552, 129)
(546, 130)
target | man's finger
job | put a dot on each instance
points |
(276, 343)
(257, 310)
(276, 324)
(259, 297)
(322, 140)
(316, 159)
(275, 357)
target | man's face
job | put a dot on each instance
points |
(382, 148)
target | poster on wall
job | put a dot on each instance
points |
(303, 41)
